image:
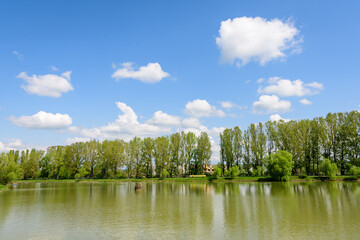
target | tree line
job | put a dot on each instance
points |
(311, 143)
(176, 155)
(335, 137)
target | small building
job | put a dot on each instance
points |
(209, 169)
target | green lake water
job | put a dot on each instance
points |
(320, 210)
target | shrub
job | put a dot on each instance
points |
(234, 171)
(329, 169)
(227, 174)
(82, 173)
(303, 176)
(259, 172)
(217, 173)
(355, 171)
(279, 165)
(164, 173)
(243, 172)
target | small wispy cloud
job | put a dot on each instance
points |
(54, 68)
(19, 55)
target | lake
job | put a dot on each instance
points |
(310, 210)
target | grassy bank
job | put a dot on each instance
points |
(203, 179)
(3, 188)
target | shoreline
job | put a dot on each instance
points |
(4, 188)
(193, 180)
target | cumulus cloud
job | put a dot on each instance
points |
(288, 88)
(305, 102)
(49, 85)
(161, 118)
(201, 108)
(271, 104)
(11, 144)
(151, 73)
(256, 39)
(125, 126)
(42, 120)
(191, 123)
(277, 117)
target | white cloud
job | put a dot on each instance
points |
(43, 120)
(191, 123)
(161, 118)
(271, 104)
(15, 143)
(20, 56)
(49, 85)
(215, 131)
(277, 117)
(54, 68)
(125, 127)
(76, 139)
(201, 108)
(288, 88)
(272, 80)
(151, 73)
(229, 105)
(256, 39)
(305, 102)
(11, 144)
(260, 80)
(315, 85)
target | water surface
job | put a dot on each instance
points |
(181, 211)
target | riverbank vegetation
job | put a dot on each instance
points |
(3, 187)
(310, 142)
(307, 149)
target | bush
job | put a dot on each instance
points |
(303, 176)
(234, 171)
(164, 173)
(258, 172)
(329, 169)
(217, 173)
(227, 174)
(243, 172)
(81, 174)
(355, 171)
(279, 165)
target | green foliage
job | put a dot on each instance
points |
(164, 173)
(217, 173)
(303, 176)
(258, 172)
(335, 137)
(227, 174)
(355, 171)
(329, 169)
(82, 173)
(279, 165)
(234, 171)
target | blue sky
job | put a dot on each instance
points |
(183, 58)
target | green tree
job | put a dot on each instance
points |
(162, 154)
(279, 165)
(329, 169)
(147, 156)
(234, 171)
(203, 153)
